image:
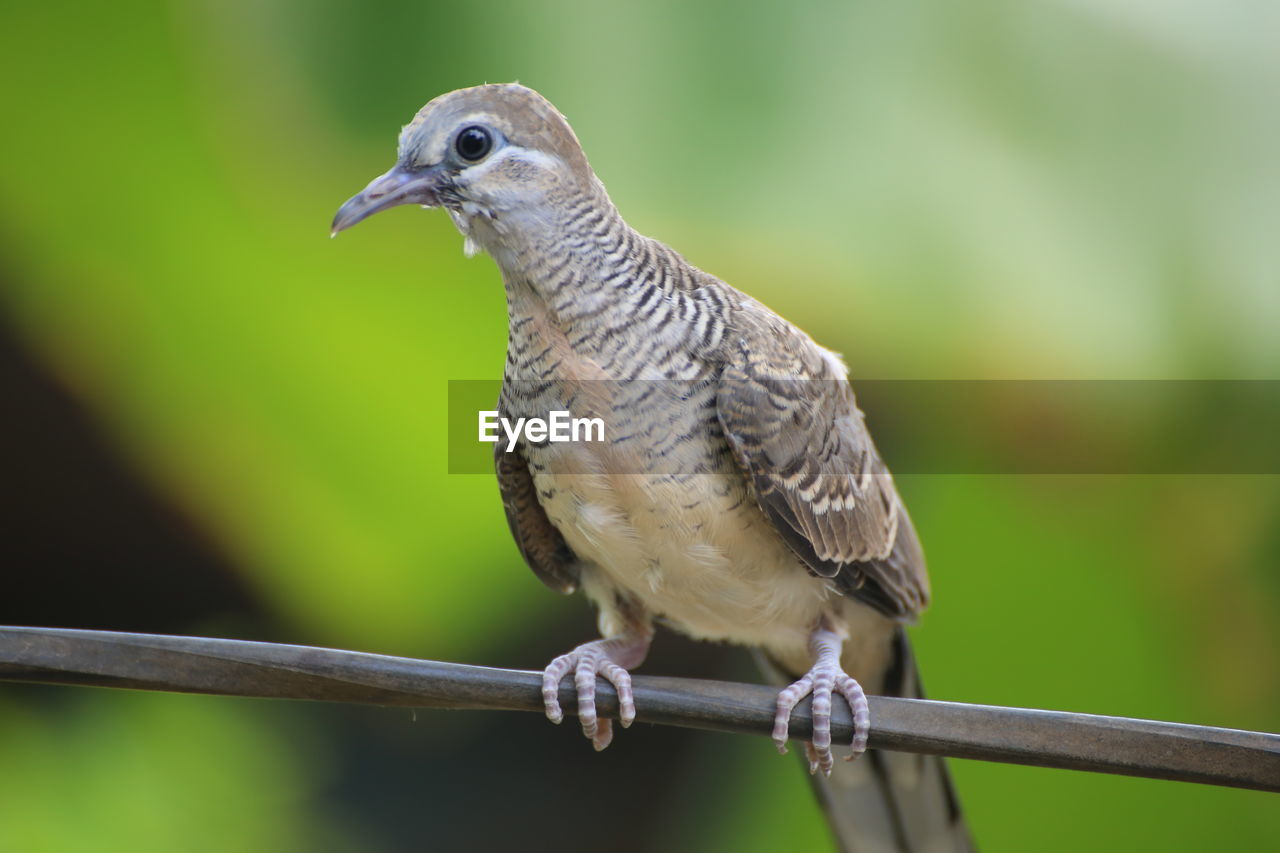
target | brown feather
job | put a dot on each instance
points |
(796, 430)
(540, 543)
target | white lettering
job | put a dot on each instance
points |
(513, 433)
(489, 426)
(558, 426)
(536, 430)
(560, 423)
(587, 425)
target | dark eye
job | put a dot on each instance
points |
(473, 143)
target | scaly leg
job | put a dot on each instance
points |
(610, 658)
(823, 680)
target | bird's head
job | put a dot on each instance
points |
(495, 155)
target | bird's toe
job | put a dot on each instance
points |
(823, 681)
(586, 662)
(787, 701)
(551, 676)
(852, 691)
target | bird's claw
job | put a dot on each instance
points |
(586, 662)
(824, 680)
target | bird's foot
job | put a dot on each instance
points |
(824, 680)
(608, 658)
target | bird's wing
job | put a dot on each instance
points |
(797, 432)
(540, 543)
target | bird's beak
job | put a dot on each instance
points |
(402, 185)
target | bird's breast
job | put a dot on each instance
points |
(661, 511)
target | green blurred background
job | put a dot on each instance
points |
(219, 422)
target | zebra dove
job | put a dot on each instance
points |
(738, 497)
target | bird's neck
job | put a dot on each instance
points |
(605, 293)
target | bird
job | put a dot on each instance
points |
(738, 497)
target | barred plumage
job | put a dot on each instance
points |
(739, 496)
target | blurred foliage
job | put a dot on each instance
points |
(991, 189)
(148, 772)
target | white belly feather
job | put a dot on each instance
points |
(698, 553)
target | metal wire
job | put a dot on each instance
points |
(1120, 745)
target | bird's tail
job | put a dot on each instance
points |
(893, 802)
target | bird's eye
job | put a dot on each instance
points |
(473, 143)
